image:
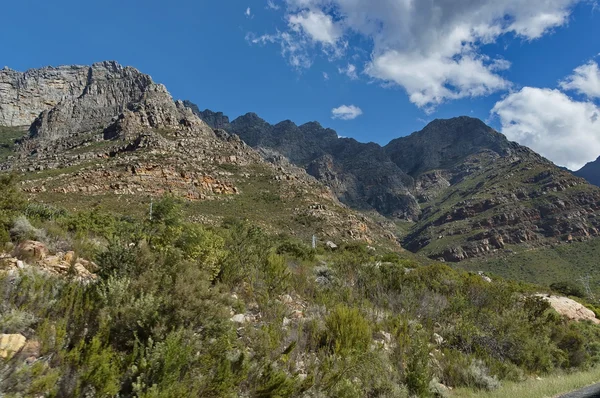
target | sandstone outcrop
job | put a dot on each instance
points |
(24, 95)
(570, 308)
(36, 255)
(10, 344)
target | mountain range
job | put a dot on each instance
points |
(464, 189)
(108, 135)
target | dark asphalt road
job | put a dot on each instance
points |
(588, 392)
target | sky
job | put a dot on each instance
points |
(373, 70)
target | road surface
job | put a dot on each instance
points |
(588, 392)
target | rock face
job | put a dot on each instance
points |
(109, 90)
(444, 143)
(24, 95)
(216, 120)
(10, 344)
(469, 191)
(114, 133)
(570, 308)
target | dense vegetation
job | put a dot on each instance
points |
(159, 321)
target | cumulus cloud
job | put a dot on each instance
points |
(325, 76)
(346, 112)
(584, 80)
(349, 71)
(430, 48)
(317, 25)
(551, 123)
(248, 12)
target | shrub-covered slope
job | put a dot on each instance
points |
(181, 309)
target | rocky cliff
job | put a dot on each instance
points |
(24, 95)
(120, 139)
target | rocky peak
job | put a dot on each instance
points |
(444, 143)
(109, 90)
(24, 95)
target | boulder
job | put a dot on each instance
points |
(10, 344)
(239, 318)
(331, 245)
(570, 308)
(30, 250)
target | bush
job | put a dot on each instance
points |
(16, 321)
(202, 246)
(347, 331)
(296, 250)
(23, 230)
(568, 288)
(12, 203)
(461, 371)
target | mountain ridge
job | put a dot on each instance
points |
(454, 191)
(467, 190)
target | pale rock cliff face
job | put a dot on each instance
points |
(59, 102)
(24, 95)
(110, 89)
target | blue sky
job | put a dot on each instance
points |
(500, 60)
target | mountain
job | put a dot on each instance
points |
(467, 191)
(591, 172)
(107, 134)
(361, 175)
(454, 191)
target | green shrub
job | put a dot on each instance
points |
(568, 288)
(202, 246)
(296, 250)
(347, 331)
(15, 321)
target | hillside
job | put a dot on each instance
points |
(117, 139)
(104, 304)
(465, 190)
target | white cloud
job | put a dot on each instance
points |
(430, 48)
(317, 25)
(248, 12)
(346, 112)
(551, 123)
(292, 48)
(584, 80)
(432, 80)
(325, 76)
(271, 5)
(349, 71)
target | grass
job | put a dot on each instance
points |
(549, 386)
(8, 135)
(563, 262)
